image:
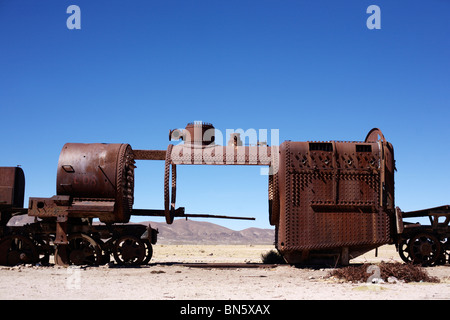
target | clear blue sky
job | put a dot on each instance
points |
(311, 69)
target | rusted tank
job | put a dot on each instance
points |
(333, 199)
(97, 174)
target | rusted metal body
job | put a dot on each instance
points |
(99, 178)
(199, 148)
(334, 199)
(93, 181)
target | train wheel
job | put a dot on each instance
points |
(45, 249)
(148, 251)
(129, 250)
(17, 249)
(61, 255)
(445, 249)
(83, 250)
(425, 249)
(403, 250)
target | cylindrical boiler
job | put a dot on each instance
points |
(98, 172)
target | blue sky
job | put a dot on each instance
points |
(311, 69)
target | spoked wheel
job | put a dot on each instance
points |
(83, 250)
(148, 251)
(403, 250)
(17, 249)
(129, 250)
(445, 252)
(425, 249)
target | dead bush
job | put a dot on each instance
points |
(272, 257)
(395, 270)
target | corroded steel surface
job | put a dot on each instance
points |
(97, 172)
(333, 195)
(149, 154)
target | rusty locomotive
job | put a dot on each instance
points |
(328, 201)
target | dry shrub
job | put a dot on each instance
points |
(400, 271)
(272, 257)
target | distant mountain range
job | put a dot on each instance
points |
(183, 231)
(199, 232)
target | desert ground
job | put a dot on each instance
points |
(175, 273)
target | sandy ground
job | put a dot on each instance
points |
(173, 280)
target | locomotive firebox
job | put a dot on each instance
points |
(335, 198)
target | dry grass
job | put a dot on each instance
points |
(394, 270)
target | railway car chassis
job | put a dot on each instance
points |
(87, 244)
(429, 244)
